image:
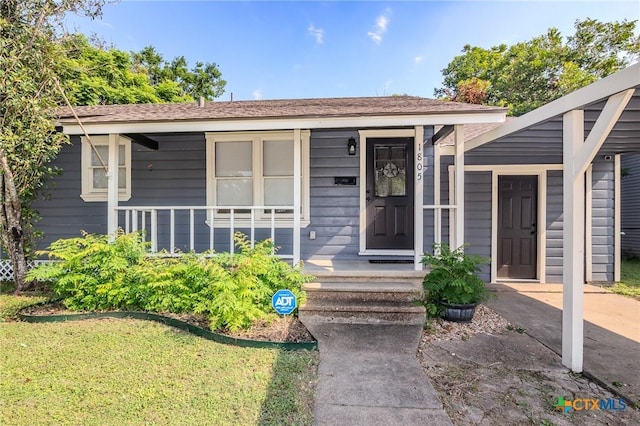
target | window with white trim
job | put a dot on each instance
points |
(256, 169)
(95, 158)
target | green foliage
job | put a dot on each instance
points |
(30, 63)
(94, 273)
(98, 75)
(529, 74)
(452, 278)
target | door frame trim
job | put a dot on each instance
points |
(522, 170)
(383, 133)
(541, 217)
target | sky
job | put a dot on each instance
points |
(310, 49)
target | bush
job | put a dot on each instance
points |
(94, 273)
(452, 279)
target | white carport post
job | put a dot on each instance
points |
(112, 184)
(459, 185)
(573, 248)
(297, 177)
(578, 153)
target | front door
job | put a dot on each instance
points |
(389, 193)
(517, 232)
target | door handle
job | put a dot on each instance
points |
(533, 230)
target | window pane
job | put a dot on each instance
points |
(104, 155)
(278, 158)
(278, 192)
(234, 192)
(233, 159)
(99, 178)
(391, 171)
(121, 155)
(122, 177)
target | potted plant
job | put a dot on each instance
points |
(452, 290)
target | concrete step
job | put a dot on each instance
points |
(359, 302)
(361, 293)
(369, 276)
(371, 314)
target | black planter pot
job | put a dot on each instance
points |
(459, 312)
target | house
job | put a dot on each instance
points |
(330, 179)
(630, 205)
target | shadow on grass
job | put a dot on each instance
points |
(291, 394)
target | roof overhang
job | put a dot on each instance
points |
(284, 123)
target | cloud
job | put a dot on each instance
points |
(380, 28)
(317, 33)
(418, 59)
(257, 94)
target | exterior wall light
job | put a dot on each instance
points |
(351, 146)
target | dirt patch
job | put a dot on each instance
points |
(281, 329)
(490, 373)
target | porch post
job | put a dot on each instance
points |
(437, 212)
(418, 201)
(112, 184)
(573, 248)
(297, 176)
(459, 184)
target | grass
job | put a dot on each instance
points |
(108, 372)
(11, 304)
(629, 284)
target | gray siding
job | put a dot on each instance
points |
(602, 220)
(477, 216)
(64, 214)
(334, 210)
(630, 205)
(554, 227)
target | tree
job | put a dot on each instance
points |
(98, 75)
(30, 61)
(529, 74)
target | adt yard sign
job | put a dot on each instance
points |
(284, 302)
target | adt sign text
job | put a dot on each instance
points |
(284, 302)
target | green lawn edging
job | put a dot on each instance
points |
(172, 322)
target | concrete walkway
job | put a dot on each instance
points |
(369, 375)
(611, 329)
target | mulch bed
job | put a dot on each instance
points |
(286, 329)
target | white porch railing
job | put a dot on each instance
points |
(205, 220)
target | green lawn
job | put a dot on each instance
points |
(128, 372)
(629, 284)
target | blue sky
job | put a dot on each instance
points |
(303, 49)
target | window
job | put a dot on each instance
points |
(255, 169)
(94, 175)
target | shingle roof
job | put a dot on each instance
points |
(263, 109)
(472, 130)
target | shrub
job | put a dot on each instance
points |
(452, 278)
(94, 273)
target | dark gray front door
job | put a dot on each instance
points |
(389, 193)
(517, 221)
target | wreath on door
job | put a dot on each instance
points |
(390, 170)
